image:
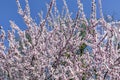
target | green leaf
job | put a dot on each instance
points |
(20, 46)
(71, 79)
(63, 63)
(83, 63)
(92, 31)
(81, 49)
(83, 46)
(83, 32)
(84, 76)
(83, 26)
(67, 55)
(29, 38)
(95, 73)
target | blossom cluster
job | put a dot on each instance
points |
(74, 49)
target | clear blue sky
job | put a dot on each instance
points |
(8, 10)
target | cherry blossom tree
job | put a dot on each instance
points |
(75, 49)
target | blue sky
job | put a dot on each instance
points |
(8, 10)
